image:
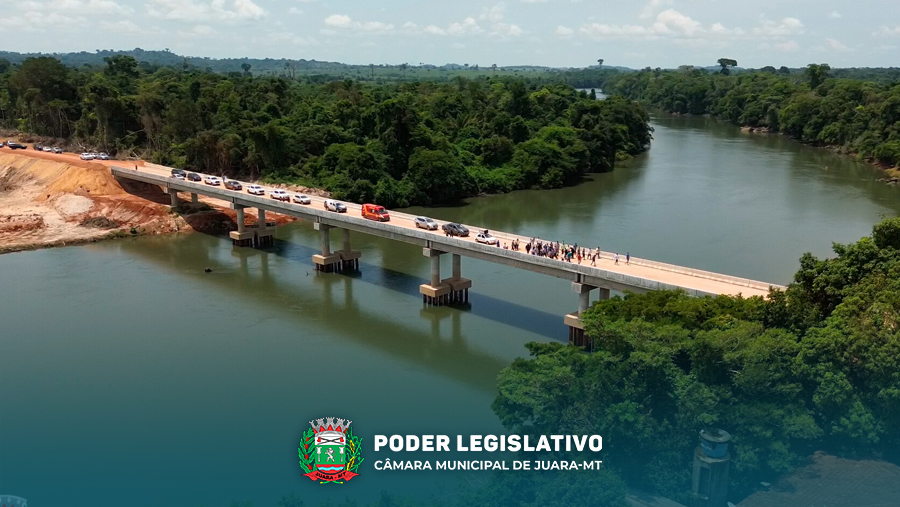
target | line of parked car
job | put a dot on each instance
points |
(94, 156)
(369, 211)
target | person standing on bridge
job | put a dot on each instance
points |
(627, 258)
(616, 258)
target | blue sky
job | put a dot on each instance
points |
(664, 33)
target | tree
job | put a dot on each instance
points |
(727, 64)
(246, 68)
(817, 74)
(600, 62)
(438, 176)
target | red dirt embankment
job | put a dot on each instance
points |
(48, 200)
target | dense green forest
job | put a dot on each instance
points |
(815, 367)
(854, 115)
(396, 144)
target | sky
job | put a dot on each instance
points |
(557, 33)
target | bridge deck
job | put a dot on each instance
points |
(639, 276)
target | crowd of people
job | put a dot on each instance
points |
(563, 252)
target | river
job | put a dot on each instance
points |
(129, 376)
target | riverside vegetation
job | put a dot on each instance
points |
(858, 116)
(396, 144)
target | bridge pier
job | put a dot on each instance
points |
(434, 292)
(194, 198)
(326, 261)
(459, 286)
(349, 257)
(265, 236)
(241, 237)
(573, 320)
(173, 197)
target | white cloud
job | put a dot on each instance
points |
(785, 27)
(835, 15)
(344, 22)
(215, 10)
(468, 26)
(652, 7)
(533, 1)
(836, 45)
(294, 10)
(434, 30)
(789, 46)
(885, 31)
(339, 21)
(564, 31)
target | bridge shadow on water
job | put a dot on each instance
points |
(443, 347)
(487, 307)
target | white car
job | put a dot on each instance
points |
(302, 199)
(279, 195)
(425, 223)
(255, 190)
(47, 149)
(337, 206)
(87, 156)
(103, 156)
(212, 180)
(487, 239)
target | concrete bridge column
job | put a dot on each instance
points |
(573, 320)
(435, 292)
(349, 257)
(459, 286)
(325, 261)
(194, 198)
(264, 235)
(173, 196)
(241, 237)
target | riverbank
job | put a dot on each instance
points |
(892, 172)
(49, 200)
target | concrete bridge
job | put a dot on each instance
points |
(639, 275)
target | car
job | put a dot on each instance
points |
(48, 149)
(279, 195)
(486, 238)
(425, 223)
(16, 146)
(233, 185)
(103, 156)
(455, 229)
(57, 150)
(212, 180)
(178, 174)
(255, 190)
(375, 212)
(336, 206)
(87, 156)
(301, 199)
(193, 177)
(38, 147)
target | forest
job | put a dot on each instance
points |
(812, 368)
(818, 106)
(397, 144)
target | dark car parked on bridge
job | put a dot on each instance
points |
(454, 229)
(178, 174)
(193, 177)
(16, 146)
(233, 185)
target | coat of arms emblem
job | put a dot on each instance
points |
(329, 452)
